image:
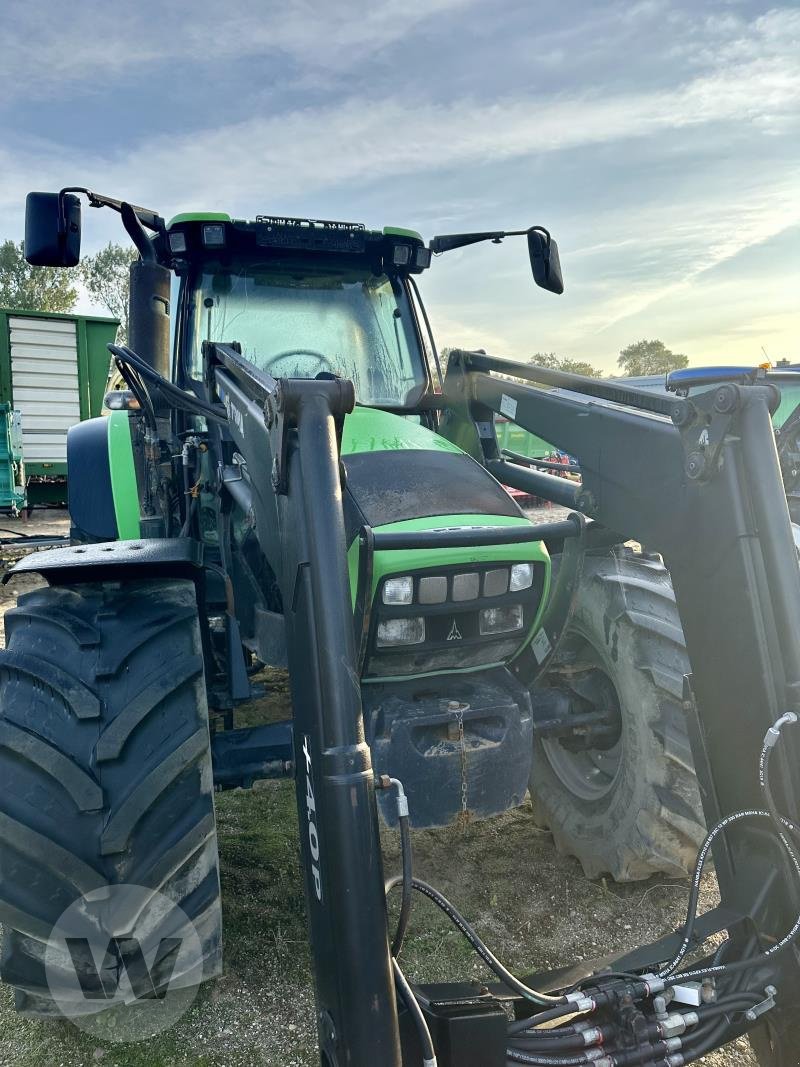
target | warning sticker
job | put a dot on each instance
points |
(508, 406)
(541, 646)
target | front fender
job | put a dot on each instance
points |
(101, 479)
(176, 557)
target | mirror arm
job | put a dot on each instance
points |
(136, 232)
(151, 219)
(531, 229)
(447, 242)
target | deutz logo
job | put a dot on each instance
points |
(455, 633)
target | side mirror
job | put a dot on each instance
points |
(545, 262)
(52, 229)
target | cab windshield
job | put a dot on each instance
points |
(302, 323)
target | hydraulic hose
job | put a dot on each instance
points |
(770, 741)
(708, 1037)
(485, 953)
(546, 1061)
(405, 902)
(545, 1041)
(780, 822)
(177, 397)
(407, 876)
(139, 390)
(410, 1001)
(520, 1025)
(571, 1046)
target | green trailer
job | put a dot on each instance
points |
(512, 437)
(53, 373)
(12, 468)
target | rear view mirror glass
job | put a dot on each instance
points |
(545, 262)
(52, 239)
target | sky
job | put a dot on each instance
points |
(658, 141)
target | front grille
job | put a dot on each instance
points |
(453, 640)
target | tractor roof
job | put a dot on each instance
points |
(191, 234)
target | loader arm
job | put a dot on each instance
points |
(695, 479)
(699, 481)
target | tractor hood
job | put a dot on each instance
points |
(402, 476)
(398, 470)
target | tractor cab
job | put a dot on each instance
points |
(305, 298)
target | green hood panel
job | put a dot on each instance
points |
(372, 430)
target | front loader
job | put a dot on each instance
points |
(289, 485)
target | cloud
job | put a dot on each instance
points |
(97, 43)
(685, 125)
(261, 159)
(691, 243)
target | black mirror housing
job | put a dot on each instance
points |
(52, 229)
(545, 261)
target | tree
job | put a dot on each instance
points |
(33, 288)
(444, 359)
(650, 357)
(106, 275)
(572, 366)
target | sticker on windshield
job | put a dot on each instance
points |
(508, 406)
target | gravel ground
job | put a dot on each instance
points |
(533, 906)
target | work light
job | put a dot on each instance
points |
(501, 620)
(409, 631)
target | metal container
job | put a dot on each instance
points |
(53, 372)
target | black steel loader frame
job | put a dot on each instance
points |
(697, 480)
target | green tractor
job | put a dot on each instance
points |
(288, 481)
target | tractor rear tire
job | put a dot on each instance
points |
(631, 806)
(105, 765)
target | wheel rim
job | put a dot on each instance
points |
(591, 773)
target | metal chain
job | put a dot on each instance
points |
(463, 761)
(457, 710)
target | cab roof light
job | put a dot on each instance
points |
(177, 242)
(214, 234)
(401, 255)
(423, 258)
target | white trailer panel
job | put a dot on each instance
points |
(44, 373)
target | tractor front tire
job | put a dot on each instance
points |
(105, 766)
(628, 806)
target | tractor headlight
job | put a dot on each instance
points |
(500, 620)
(521, 576)
(398, 590)
(408, 631)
